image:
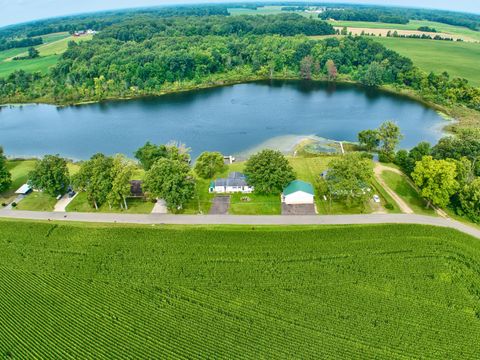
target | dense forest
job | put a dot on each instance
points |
(148, 54)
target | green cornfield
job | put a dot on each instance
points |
(160, 292)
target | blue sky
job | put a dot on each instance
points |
(14, 11)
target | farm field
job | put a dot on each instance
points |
(50, 51)
(264, 10)
(385, 291)
(466, 33)
(458, 59)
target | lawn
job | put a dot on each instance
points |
(37, 201)
(255, 204)
(407, 192)
(135, 206)
(19, 170)
(336, 292)
(459, 59)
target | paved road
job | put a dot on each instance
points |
(242, 220)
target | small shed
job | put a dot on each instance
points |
(298, 192)
(24, 189)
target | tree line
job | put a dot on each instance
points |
(12, 44)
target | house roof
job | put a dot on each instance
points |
(298, 185)
(25, 188)
(234, 179)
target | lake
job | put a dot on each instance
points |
(232, 119)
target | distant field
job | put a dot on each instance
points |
(412, 25)
(332, 292)
(458, 59)
(50, 51)
(266, 10)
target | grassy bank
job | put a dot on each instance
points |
(386, 291)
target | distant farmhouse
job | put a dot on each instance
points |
(235, 183)
(298, 192)
(84, 32)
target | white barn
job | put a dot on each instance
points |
(235, 183)
(298, 192)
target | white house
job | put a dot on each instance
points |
(235, 183)
(298, 192)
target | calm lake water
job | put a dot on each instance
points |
(229, 119)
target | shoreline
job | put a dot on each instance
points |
(390, 89)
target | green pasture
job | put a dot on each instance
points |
(459, 59)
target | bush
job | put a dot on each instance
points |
(14, 204)
(385, 158)
(389, 206)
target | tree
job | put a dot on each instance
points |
(465, 171)
(122, 171)
(436, 180)
(373, 75)
(469, 198)
(149, 153)
(33, 53)
(349, 177)
(95, 178)
(269, 172)
(331, 70)
(306, 66)
(50, 175)
(407, 159)
(369, 139)
(390, 136)
(170, 180)
(208, 164)
(5, 176)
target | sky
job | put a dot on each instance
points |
(15, 11)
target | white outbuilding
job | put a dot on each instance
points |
(24, 189)
(298, 192)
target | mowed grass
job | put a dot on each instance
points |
(459, 59)
(41, 64)
(135, 206)
(356, 292)
(49, 55)
(37, 201)
(407, 192)
(19, 169)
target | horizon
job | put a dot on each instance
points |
(88, 7)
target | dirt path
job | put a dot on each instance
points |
(379, 168)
